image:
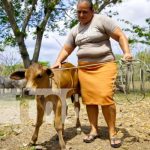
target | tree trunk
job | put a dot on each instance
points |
(37, 45)
(8, 6)
(23, 51)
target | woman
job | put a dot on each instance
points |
(92, 36)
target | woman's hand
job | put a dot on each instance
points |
(56, 65)
(64, 53)
(127, 57)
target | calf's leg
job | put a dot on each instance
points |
(75, 100)
(40, 113)
(58, 122)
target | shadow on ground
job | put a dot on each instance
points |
(70, 133)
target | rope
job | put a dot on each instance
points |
(78, 67)
(121, 62)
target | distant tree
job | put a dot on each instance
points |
(139, 34)
(118, 56)
(44, 63)
(9, 62)
(9, 57)
(144, 56)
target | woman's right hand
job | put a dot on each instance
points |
(56, 65)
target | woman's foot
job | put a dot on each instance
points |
(90, 138)
(115, 141)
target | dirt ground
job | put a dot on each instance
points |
(133, 124)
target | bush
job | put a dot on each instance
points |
(7, 70)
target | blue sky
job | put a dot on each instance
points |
(136, 11)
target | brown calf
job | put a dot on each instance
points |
(39, 77)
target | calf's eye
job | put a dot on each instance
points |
(39, 76)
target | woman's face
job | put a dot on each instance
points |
(84, 12)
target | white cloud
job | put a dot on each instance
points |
(49, 49)
(135, 11)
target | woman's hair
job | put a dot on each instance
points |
(88, 1)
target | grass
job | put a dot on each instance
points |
(131, 97)
(2, 133)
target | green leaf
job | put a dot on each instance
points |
(73, 23)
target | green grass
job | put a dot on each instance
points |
(2, 133)
(131, 97)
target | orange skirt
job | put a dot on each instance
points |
(98, 83)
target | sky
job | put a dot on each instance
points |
(136, 11)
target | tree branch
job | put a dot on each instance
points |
(18, 35)
(50, 7)
(105, 3)
(26, 20)
(10, 13)
(68, 15)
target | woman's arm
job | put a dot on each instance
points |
(64, 53)
(120, 37)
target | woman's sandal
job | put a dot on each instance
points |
(115, 142)
(90, 138)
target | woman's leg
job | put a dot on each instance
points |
(92, 111)
(109, 112)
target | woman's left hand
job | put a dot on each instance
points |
(127, 57)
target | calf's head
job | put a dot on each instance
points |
(36, 76)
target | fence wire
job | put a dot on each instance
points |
(133, 81)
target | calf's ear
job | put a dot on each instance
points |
(49, 72)
(18, 75)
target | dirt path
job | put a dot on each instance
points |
(133, 122)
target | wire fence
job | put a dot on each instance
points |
(133, 80)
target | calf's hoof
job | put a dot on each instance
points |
(33, 141)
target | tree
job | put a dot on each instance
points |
(21, 18)
(140, 34)
(144, 56)
(118, 57)
(9, 62)
(9, 58)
